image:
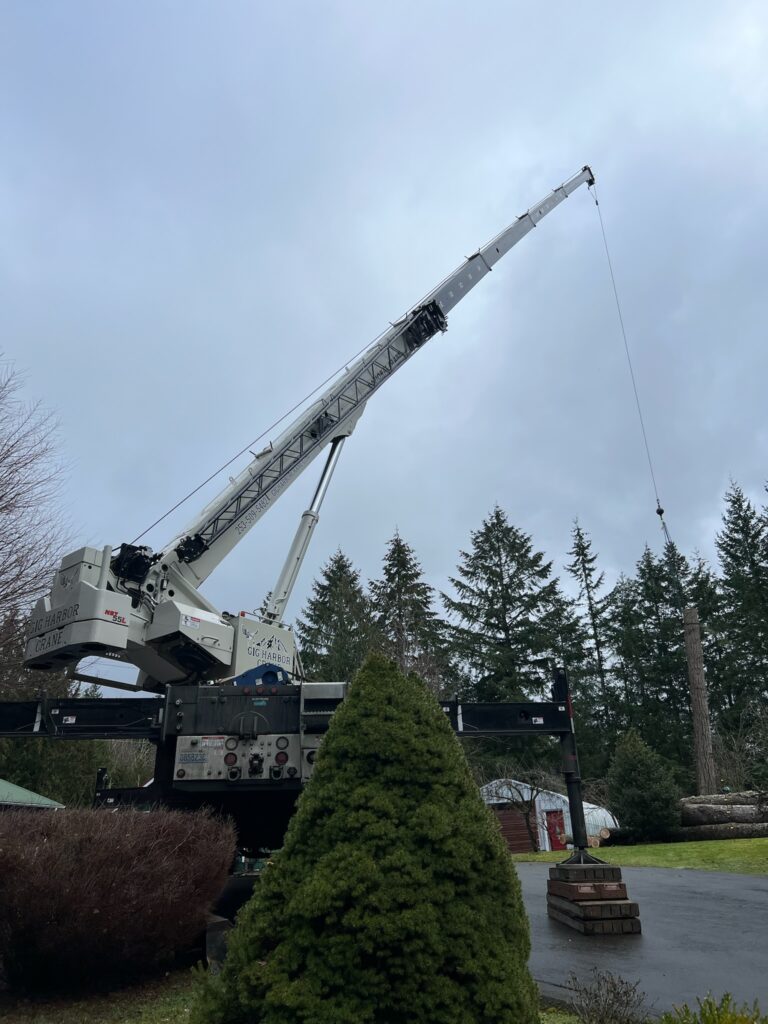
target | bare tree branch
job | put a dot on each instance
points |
(31, 523)
(129, 762)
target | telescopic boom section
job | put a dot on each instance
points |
(227, 519)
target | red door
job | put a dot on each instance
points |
(556, 830)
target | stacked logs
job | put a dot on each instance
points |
(724, 816)
(592, 899)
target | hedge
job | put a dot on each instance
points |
(89, 895)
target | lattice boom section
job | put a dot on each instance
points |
(352, 391)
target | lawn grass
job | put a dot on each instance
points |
(738, 856)
(556, 1015)
(163, 1001)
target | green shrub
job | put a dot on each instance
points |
(642, 792)
(712, 1012)
(88, 896)
(393, 898)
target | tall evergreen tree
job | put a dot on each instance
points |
(337, 629)
(393, 898)
(409, 629)
(507, 612)
(646, 633)
(742, 546)
(583, 569)
(623, 622)
(594, 698)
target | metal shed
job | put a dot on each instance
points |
(13, 796)
(553, 819)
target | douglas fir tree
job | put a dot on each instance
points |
(336, 632)
(508, 612)
(409, 629)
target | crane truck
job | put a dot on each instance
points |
(235, 723)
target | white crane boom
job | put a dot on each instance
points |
(145, 607)
(227, 519)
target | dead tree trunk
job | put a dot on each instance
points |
(706, 778)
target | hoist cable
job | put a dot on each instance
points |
(593, 188)
(250, 445)
(681, 599)
(659, 509)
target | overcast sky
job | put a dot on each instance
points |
(207, 207)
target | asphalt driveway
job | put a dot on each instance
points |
(703, 931)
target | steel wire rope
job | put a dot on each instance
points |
(659, 509)
(680, 596)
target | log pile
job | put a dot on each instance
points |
(724, 816)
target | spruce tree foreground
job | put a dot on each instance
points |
(394, 898)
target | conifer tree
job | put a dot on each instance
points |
(623, 627)
(641, 789)
(394, 898)
(645, 629)
(742, 546)
(504, 592)
(336, 631)
(587, 658)
(657, 670)
(409, 629)
(583, 568)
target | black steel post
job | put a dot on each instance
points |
(102, 780)
(570, 766)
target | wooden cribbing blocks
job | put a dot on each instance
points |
(616, 926)
(592, 899)
(594, 910)
(577, 891)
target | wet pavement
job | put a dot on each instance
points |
(703, 931)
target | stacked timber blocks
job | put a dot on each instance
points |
(592, 899)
